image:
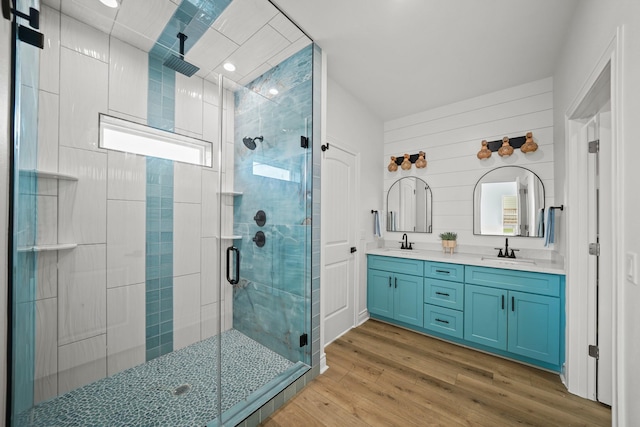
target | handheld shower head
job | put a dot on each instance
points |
(250, 143)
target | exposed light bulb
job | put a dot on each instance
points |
(273, 91)
(229, 66)
(110, 3)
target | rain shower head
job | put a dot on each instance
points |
(250, 143)
(178, 63)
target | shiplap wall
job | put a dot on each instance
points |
(451, 137)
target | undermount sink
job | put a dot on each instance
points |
(512, 261)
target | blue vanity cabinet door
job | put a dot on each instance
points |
(407, 299)
(380, 292)
(534, 326)
(485, 316)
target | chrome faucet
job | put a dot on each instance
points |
(506, 253)
(406, 244)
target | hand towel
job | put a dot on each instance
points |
(549, 227)
(376, 225)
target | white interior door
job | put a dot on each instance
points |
(600, 265)
(605, 273)
(338, 206)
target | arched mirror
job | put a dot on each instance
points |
(409, 206)
(509, 201)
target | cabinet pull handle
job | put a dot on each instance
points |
(396, 279)
(389, 281)
(513, 304)
(442, 293)
(503, 302)
(442, 321)
(443, 271)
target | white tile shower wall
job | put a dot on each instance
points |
(83, 203)
(186, 238)
(209, 271)
(48, 119)
(187, 183)
(88, 293)
(186, 310)
(209, 188)
(82, 293)
(189, 94)
(125, 242)
(83, 39)
(83, 94)
(46, 369)
(47, 280)
(451, 136)
(50, 55)
(47, 233)
(128, 74)
(126, 176)
(81, 362)
(125, 327)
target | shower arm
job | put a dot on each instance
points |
(182, 37)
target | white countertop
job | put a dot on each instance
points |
(522, 264)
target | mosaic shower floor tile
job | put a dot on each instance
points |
(176, 389)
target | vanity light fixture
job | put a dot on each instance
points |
(229, 66)
(529, 145)
(110, 3)
(506, 145)
(506, 150)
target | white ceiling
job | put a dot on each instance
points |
(252, 34)
(400, 57)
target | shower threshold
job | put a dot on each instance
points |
(179, 388)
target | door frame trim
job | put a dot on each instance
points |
(577, 374)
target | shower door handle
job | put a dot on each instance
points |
(236, 279)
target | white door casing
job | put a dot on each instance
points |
(604, 85)
(338, 228)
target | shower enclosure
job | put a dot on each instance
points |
(161, 236)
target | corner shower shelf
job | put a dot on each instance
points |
(50, 175)
(45, 248)
(231, 193)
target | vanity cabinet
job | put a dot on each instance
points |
(514, 311)
(395, 289)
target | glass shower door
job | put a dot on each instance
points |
(270, 242)
(25, 240)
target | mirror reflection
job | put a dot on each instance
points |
(409, 206)
(509, 201)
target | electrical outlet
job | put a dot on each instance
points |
(632, 267)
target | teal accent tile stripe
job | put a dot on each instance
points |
(159, 258)
(193, 18)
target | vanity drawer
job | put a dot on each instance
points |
(443, 270)
(515, 280)
(443, 320)
(396, 265)
(444, 293)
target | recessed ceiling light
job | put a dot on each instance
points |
(229, 66)
(110, 3)
(273, 91)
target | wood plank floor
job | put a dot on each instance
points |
(381, 375)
